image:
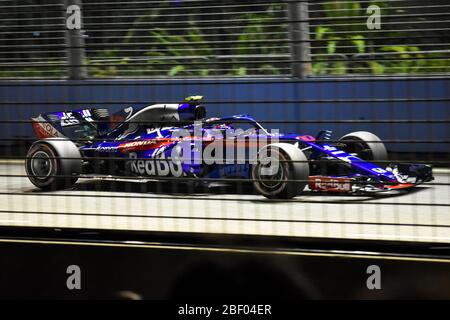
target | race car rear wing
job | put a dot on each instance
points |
(73, 124)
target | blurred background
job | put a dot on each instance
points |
(296, 66)
(147, 39)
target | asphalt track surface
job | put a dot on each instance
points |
(419, 215)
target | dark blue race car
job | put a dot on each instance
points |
(175, 142)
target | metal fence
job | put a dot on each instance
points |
(228, 38)
(271, 45)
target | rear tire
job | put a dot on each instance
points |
(53, 164)
(276, 183)
(366, 145)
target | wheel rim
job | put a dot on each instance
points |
(273, 181)
(41, 165)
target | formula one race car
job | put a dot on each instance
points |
(175, 142)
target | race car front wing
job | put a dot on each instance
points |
(407, 176)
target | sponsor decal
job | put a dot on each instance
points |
(306, 138)
(127, 146)
(44, 129)
(159, 166)
(379, 170)
(86, 114)
(128, 111)
(156, 143)
(344, 156)
(106, 148)
(333, 184)
(68, 119)
(142, 145)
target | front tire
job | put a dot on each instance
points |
(366, 145)
(278, 165)
(53, 164)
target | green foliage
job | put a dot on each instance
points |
(255, 39)
(341, 46)
(195, 52)
(345, 38)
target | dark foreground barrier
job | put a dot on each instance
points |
(78, 269)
